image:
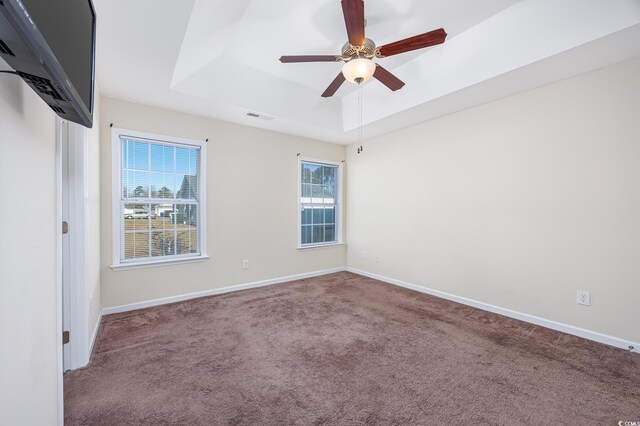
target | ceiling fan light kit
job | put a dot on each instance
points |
(358, 70)
(359, 51)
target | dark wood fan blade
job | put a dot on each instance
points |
(388, 79)
(353, 11)
(309, 58)
(334, 86)
(413, 43)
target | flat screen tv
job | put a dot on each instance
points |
(51, 45)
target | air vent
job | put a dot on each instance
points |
(57, 109)
(42, 85)
(260, 116)
(4, 49)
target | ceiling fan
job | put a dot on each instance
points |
(358, 52)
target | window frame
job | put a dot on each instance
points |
(116, 199)
(339, 202)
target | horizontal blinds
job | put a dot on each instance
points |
(159, 204)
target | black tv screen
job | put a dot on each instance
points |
(53, 47)
(67, 26)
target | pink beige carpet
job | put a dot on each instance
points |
(344, 350)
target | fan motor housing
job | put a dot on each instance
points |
(367, 50)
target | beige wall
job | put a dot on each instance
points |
(28, 330)
(251, 206)
(518, 203)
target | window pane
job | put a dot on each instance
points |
(330, 215)
(318, 215)
(193, 187)
(161, 217)
(157, 182)
(306, 173)
(164, 214)
(193, 161)
(306, 235)
(157, 157)
(182, 160)
(186, 242)
(311, 173)
(124, 153)
(136, 245)
(138, 184)
(186, 216)
(329, 233)
(136, 217)
(306, 193)
(125, 184)
(328, 175)
(182, 184)
(306, 216)
(162, 185)
(187, 187)
(316, 175)
(162, 158)
(169, 159)
(138, 155)
(327, 192)
(163, 243)
(316, 194)
(318, 234)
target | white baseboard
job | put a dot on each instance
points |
(94, 335)
(554, 325)
(213, 292)
(565, 328)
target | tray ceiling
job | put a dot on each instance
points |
(220, 59)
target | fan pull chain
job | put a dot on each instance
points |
(360, 148)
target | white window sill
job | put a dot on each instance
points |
(157, 263)
(319, 246)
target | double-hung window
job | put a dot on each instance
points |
(320, 218)
(158, 203)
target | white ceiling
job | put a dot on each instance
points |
(220, 59)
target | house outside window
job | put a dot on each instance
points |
(158, 199)
(319, 203)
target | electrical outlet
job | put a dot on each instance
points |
(584, 298)
(377, 258)
(363, 254)
(245, 264)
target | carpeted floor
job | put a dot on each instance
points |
(344, 350)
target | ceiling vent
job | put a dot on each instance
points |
(260, 116)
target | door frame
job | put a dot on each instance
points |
(77, 138)
(58, 226)
(72, 148)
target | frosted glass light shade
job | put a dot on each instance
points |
(359, 70)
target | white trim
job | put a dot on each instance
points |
(213, 292)
(320, 246)
(116, 184)
(339, 202)
(58, 224)
(94, 335)
(565, 328)
(77, 139)
(155, 263)
(151, 137)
